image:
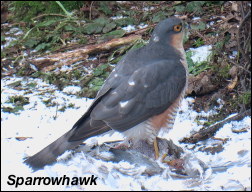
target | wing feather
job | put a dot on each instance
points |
(149, 91)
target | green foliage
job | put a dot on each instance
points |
(32, 84)
(92, 83)
(26, 10)
(223, 71)
(105, 7)
(93, 28)
(125, 21)
(113, 34)
(71, 105)
(99, 25)
(209, 3)
(62, 109)
(190, 62)
(200, 26)
(199, 42)
(13, 109)
(43, 39)
(30, 43)
(15, 84)
(43, 46)
(48, 30)
(158, 16)
(102, 70)
(18, 102)
(116, 56)
(138, 44)
(245, 98)
(61, 79)
(180, 8)
(219, 44)
(108, 27)
(196, 68)
(49, 102)
(195, 6)
(96, 83)
(2, 38)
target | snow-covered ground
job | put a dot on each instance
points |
(230, 169)
(26, 132)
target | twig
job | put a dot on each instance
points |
(239, 35)
(90, 10)
(208, 132)
(243, 68)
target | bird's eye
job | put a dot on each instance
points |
(177, 28)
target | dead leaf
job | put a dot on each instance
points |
(22, 138)
(234, 6)
(201, 84)
(233, 71)
(233, 83)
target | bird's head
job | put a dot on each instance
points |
(169, 31)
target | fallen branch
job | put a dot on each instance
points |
(208, 132)
(51, 62)
(239, 36)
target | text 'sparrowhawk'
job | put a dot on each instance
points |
(140, 96)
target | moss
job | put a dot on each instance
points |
(49, 102)
(26, 10)
(245, 98)
(18, 100)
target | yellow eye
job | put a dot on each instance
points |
(177, 28)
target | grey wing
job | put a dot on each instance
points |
(86, 127)
(149, 91)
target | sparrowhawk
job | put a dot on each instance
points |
(139, 97)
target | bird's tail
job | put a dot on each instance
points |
(49, 154)
(68, 141)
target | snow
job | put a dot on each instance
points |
(142, 25)
(196, 18)
(38, 122)
(71, 89)
(148, 8)
(118, 17)
(201, 54)
(129, 28)
(8, 42)
(230, 169)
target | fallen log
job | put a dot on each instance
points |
(57, 60)
(207, 132)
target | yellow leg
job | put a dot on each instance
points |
(156, 148)
(163, 158)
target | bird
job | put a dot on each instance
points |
(140, 97)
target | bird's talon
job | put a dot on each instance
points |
(163, 157)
